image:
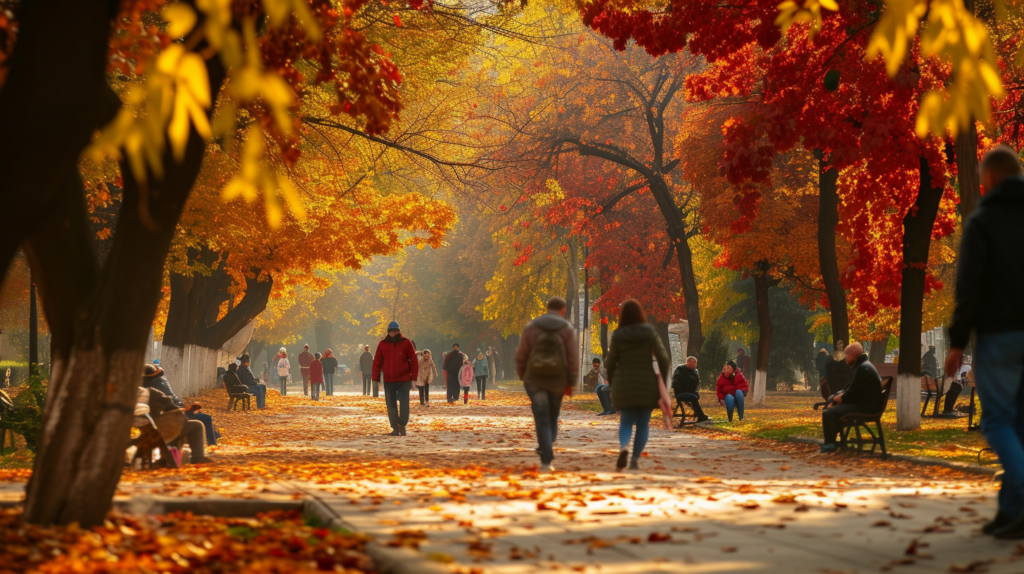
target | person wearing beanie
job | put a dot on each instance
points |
(731, 388)
(395, 365)
(153, 378)
(316, 376)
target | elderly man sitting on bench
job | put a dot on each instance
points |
(193, 431)
(861, 395)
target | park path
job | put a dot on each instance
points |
(462, 488)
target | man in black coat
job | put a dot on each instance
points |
(863, 394)
(686, 387)
(366, 370)
(990, 272)
(451, 366)
(929, 364)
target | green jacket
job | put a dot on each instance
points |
(631, 354)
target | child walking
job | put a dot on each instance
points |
(316, 376)
(466, 379)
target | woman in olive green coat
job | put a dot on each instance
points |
(630, 363)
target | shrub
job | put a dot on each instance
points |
(26, 418)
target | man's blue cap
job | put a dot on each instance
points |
(393, 326)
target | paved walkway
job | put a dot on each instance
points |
(463, 489)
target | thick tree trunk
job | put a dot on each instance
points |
(828, 219)
(691, 298)
(966, 147)
(762, 282)
(61, 43)
(917, 238)
(604, 339)
(877, 353)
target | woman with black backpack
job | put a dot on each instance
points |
(635, 390)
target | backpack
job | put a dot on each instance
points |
(466, 376)
(547, 361)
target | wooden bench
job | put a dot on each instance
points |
(158, 435)
(686, 416)
(854, 422)
(234, 399)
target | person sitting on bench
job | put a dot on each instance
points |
(604, 392)
(256, 387)
(861, 395)
(686, 387)
(153, 378)
(159, 403)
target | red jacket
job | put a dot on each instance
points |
(316, 371)
(729, 385)
(305, 358)
(396, 360)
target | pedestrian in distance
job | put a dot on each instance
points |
(284, 370)
(863, 394)
(330, 364)
(990, 272)
(481, 370)
(366, 371)
(547, 361)
(277, 358)
(395, 365)
(256, 386)
(316, 376)
(427, 374)
(686, 387)
(732, 387)
(452, 368)
(466, 379)
(631, 376)
(821, 361)
(305, 359)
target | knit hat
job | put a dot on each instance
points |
(732, 364)
(151, 371)
(393, 326)
(282, 350)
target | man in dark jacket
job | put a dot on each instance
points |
(305, 360)
(451, 365)
(686, 387)
(837, 371)
(153, 378)
(159, 403)
(330, 363)
(928, 363)
(863, 394)
(990, 273)
(248, 379)
(546, 391)
(395, 363)
(366, 371)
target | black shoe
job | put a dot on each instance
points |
(1001, 520)
(634, 464)
(401, 431)
(395, 433)
(621, 462)
(703, 418)
(1013, 528)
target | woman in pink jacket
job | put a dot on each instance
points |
(731, 388)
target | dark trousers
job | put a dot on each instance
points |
(366, 384)
(207, 421)
(260, 391)
(453, 389)
(194, 434)
(396, 395)
(424, 394)
(329, 383)
(692, 400)
(315, 387)
(951, 396)
(284, 386)
(481, 386)
(546, 406)
(305, 380)
(604, 394)
(830, 423)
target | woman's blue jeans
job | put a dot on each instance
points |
(999, 372)
(641, 419)
(734, 401)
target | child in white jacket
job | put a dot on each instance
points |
(284, 370)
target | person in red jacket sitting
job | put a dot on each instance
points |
(731, 387)
(316, 376)
(395, 362)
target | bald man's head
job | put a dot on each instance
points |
(999, 163)
(853, 351)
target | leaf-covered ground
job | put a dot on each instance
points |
(463, 489)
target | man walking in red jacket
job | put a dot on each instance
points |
(305, 360)
(395, 361)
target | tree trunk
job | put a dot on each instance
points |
(877, 353)
(917, 238)
(966, 147)
(99, 319)
(193, 337)
(828, 219)
(762, 282)
(691, 298)
(604, 339)
(323, 334)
